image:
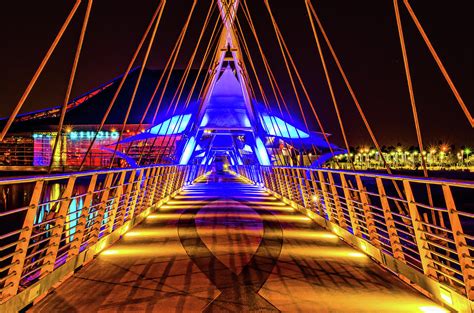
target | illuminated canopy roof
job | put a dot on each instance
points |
(275, 126)
(172, 126)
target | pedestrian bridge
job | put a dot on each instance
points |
(210, 188)
(226, 245)
(170, 238)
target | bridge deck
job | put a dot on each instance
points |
(228, 246)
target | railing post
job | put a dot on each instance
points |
(135, 195)
(95, 230)
(369, 219)
(167, 180)
(57, 228)
(315, 199)
(127, 195)
(422, 244)
(337, 202)
(82, 221)
(162, 183)
(13, 282)
(305, 188)
(297, 186)
(115, 203)
(280, 189)
(286, 180)
(154, 198)
(462, 248)
(271, 177)
(152, 188)
(143, 192)
(327, 203)
(395, 243)
(350, 206)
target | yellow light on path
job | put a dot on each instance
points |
(446, 296)
(433, 309)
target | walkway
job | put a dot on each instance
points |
(225, 246)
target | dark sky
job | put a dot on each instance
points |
(363, 33)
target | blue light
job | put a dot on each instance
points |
(204, 121)
(172, 126)
(73, 135)
(247, 148)
(262, 154)
(279, 128)
(188, 151)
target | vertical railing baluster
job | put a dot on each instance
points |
(369, 218)
(128, 198)
(102, 207)
(422, 244)
(13, 282)
(316, 198)
(82, 221)
(151, 188)
(143, 193)
(462, 249)
(350, 206)
(296, 184)
(327, 203)
(115, 203)
(302, 187)
(395, 243)
(280, 189)
(271, 175)
(155, 191)
(288, 183)
(57, 228)
(337, 202)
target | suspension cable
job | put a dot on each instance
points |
(69, 87)
(252, 66)
(173, 63)
(139, 79)
(177, 97)
(412, 97)
(38, 72)
(155, 92)
(349, 87)
(439, 63)
(283, 47)
(260, 86)
(122, 82)
(356, 101)
(273, 83)
(330, 86)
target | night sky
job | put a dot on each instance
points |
(363, 33)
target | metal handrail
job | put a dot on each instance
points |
(421, 234)
(40, 243)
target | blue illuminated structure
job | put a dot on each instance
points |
(228, 126)
(277, 127)
(172, 126)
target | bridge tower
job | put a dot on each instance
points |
(226, 120)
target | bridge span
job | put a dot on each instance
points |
(224, 245)
(208, 187)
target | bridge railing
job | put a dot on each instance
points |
(48, 221)
(392, 213)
